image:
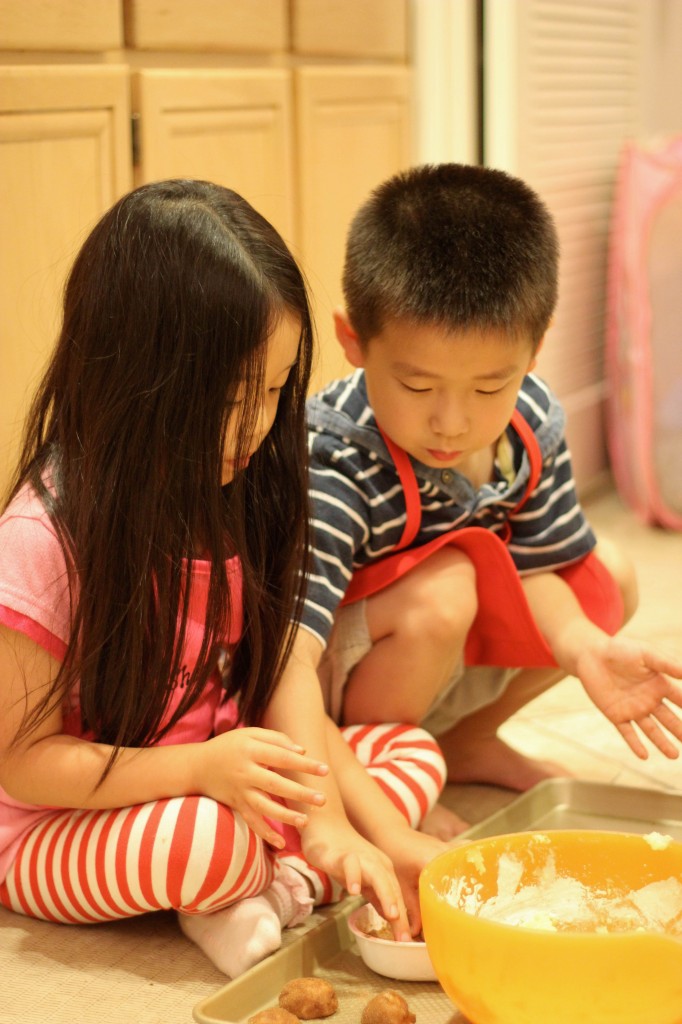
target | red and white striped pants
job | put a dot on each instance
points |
(192, 853)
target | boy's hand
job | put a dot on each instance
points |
(629, 683)
(336, 848)
(243, 769)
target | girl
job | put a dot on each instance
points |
(152, 564)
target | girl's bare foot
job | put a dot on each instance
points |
(493, 762)
(443, 823)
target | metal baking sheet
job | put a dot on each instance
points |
(324, 945)
(572, 803)
(325, 949)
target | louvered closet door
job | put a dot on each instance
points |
(563, 81)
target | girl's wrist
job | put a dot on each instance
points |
(387, 831)
(192, 781)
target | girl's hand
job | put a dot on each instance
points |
(410, 851)
(627, 682)
(336, 848)
(243, 769)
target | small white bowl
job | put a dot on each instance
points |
(405, 961)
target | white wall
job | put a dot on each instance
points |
(443, 37)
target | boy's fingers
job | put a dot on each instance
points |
(630, 736)
(653, 732)
(670, 721)
(668, 666)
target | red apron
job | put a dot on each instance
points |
(504, 632)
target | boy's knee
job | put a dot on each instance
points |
(444, 606)
(623, 572)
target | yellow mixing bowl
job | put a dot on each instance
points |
(501, 973)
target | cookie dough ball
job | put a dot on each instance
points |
(388, 1007)
(273, 1015)
(309, 998)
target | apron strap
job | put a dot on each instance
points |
(374, 577)
(530, 443)
(504, 632)
(410, 487)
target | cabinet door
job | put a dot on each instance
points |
(73, 25)
(64, 159)
(354, 131)
(232, 127)
(248, 26)
(373, 28)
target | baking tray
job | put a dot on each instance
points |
(572, 803)
(324, 944)
(326, 949)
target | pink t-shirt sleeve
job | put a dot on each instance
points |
(34, 585)
(34, 631)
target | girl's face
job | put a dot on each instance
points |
(281, 355)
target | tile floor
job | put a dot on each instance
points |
(563, 725)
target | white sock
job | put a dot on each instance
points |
(237, 937)
(242, 935)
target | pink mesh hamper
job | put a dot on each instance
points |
(644, 332)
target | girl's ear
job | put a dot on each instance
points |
(348, 339)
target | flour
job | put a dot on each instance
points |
(560, 903)
(658, 842)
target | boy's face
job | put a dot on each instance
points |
(442, 396)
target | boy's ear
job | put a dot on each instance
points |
(348, 339)
(534, 360)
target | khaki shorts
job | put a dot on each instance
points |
(469, 689)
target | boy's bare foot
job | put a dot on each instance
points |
(493, 762)
(443, 823)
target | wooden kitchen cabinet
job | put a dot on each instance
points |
(353, 131)
(213, 90)
(64, 159)
(333, 28)
(232, 26)
(72, 25)
(233, 127)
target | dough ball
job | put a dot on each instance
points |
(274, 1015)
(309, 998)
(388, 1007)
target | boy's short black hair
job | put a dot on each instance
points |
(454, 245)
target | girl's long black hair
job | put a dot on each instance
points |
(167, 311)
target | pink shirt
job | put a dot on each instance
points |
(34, 601)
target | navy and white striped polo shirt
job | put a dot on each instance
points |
(358, 507)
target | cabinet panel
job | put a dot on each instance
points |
(231, 127)
(72, 25)
(354, 131)
(64, 159)
(373, 28)
(257, 26)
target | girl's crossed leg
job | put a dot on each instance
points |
(196, 856)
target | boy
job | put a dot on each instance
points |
(445, 516)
